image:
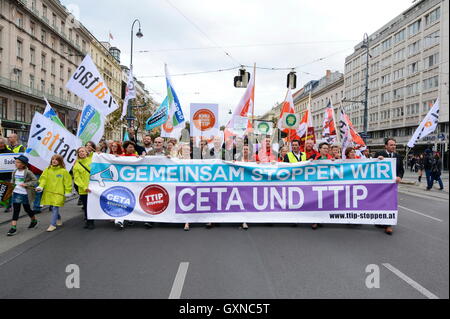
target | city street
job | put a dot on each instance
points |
(279, 261)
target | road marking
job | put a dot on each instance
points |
(418, 213)
(411, 282)
(414, 194)
(178, 283)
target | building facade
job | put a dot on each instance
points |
(408, 71)
(40, 47)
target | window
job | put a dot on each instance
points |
(32, 55)
(63, 48)
(44, 11)
(43, 62)
(398, 74)
(398, 93)
(385, 97)
(413, 68)
(3, 107)
(412, 89)
(427, 105)
(19, 19)
(374, 84)
(43, 86)
(386, 79)
(430, 61)
(69, 73)
(399, 55)
(399, 112)
(43, 36)
(61, 71)
(355, 77)
(53, 67)
(431, 83)
(386, 45)
(414, 28)
(33, 28)
(431, 39)
(77, 39)
(70, 34)
(399, 36)
(18, 75)
(54, 20)
(63, 27)
(414, 48)
(19, 48)
(386, 62)
(32, 81)
(376, 51)
(433, 16)
(52, 89)
(20, 111)
(375, 67)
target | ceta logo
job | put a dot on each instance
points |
(154, 199)
(204, 120)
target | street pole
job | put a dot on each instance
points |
(366, 44)
(139, 35)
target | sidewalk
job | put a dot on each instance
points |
(411, 185)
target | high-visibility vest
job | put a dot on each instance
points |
(15, 149)
(293, 159)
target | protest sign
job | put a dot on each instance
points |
(159, 189)
(204, 119)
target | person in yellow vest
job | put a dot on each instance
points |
(56, 183)
(81, 176)
(295, 156)
(14, 146)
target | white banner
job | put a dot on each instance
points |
(46, 139)
(7, 162)
(88, 84)
(159, 189)
(204, 119)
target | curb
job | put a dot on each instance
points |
(43, 209)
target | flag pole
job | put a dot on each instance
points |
(338, 139)
(309, 114)
(253, 104)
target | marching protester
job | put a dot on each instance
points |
(171, 148)
(295, 156)
(116, 149)
(91, 148)
(336, 152)
(133, 138)
(350, 153)
(81, 176)
(218, 150)
(436, 171)
(158, 148)
(311, 153)
(366, 153)
(184, 153)
(246, 157)
(24, 192)
(265, 154)
(14, 146)
(428, 165)
(420, 167)
(56, 183)
(282, 155)
(147, 141)
(324, 152)
(129, 149)
(390, 146)
(3, 149)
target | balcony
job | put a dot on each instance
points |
(13, 85)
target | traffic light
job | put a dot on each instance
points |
(241, 81)
(292, 80)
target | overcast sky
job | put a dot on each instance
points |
(185, 34)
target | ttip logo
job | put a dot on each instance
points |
(154, 199)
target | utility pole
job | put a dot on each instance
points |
(366, 102)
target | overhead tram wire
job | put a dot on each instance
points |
(203, 33)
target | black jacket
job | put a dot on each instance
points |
(400, 169)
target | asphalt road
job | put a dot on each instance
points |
(279, 261)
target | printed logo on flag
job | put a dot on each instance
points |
(154, 199)
(117, 201)
(290, 121)
(263, 127)
(204, 120)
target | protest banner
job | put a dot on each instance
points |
(7, 162)
(46, 139)
(91, 125)
(6, 190)
(88, 84)
(158, 189)
(204, 119)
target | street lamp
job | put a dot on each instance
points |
(366, 46)
(139, 35)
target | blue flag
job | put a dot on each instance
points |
(159, 117)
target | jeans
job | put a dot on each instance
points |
(55, 215)
(17, 201)
(84, 199)
(438, 179)
(37, 199)
(429, 178)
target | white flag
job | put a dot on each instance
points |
(130, 93)
(46, 139)
(88, 84)
(427, 126)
